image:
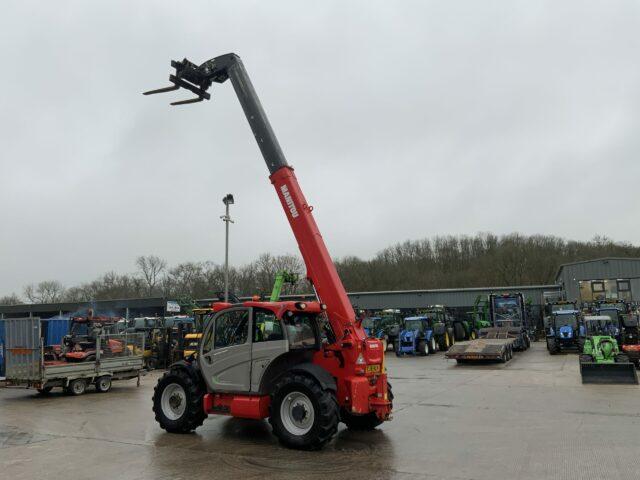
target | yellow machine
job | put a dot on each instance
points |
(192, 340)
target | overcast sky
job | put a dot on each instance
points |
(403, 120)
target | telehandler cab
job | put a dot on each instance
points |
(304, 365)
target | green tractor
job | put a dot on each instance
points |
(601, 360)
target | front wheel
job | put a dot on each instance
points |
(303, 416)
(177, 402)
(433, 346)
(423, 348)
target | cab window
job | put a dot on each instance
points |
(300, 330)
(231, 328)
(266, 326)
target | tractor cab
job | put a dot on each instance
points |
(601, 325)
(246, 346)
(565, 324)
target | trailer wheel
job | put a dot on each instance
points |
(303, 414)
(103, 384)
(177, 402)
(45, 390)
(152, 363)
(504, 356)
(77, 387)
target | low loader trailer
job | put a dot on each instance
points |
(496, 344)
(31, 365)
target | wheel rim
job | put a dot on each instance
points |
(297, 413)
(425, 348)
(78, 387)
(433, 344)
(173, 401)
(105, 383)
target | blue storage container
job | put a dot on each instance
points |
(57, 327)
(2, 348)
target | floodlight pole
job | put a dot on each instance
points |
(226, 218)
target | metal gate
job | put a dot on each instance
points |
(23, 352)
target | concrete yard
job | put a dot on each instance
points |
(528, 419)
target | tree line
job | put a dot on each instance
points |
(481, 260)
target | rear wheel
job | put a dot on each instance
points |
(45, 390)
(77, 386)
(433, 346)
(103, 384)
(459, 331)
(303, 414)
(177, 402)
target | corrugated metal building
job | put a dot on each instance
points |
(602, 278)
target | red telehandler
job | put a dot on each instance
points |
(304, 365)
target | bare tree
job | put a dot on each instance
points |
(12, 299)
(151, 266)
(50, 291)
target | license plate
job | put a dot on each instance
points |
(373, 368)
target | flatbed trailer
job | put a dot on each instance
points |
(27, 365)
(498, 344)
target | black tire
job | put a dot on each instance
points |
(45, 390)
(504, 356)
(459, 332)
(509, 354)
(423, 348)
(326, 413)
(452, 337)
(77, 387)
(527, 342)
(364, 422)
(433, 346)
(193, 415)
(551, 346)
(622, 358)
(152, 363)
(103, 384)
(396, 348)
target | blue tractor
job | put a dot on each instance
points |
(417, 336)
(565, 331)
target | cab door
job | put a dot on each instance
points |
(225, 351)
(268, 342)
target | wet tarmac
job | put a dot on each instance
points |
(528, 419)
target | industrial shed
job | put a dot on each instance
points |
(600, 279)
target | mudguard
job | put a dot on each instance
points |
(323, 377)
(190, 368)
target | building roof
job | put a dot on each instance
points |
(593, 260)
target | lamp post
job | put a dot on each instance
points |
(227, 200)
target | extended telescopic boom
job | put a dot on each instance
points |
(320, 268)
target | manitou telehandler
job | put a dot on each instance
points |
(304, 365)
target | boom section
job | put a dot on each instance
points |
(320, 268)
